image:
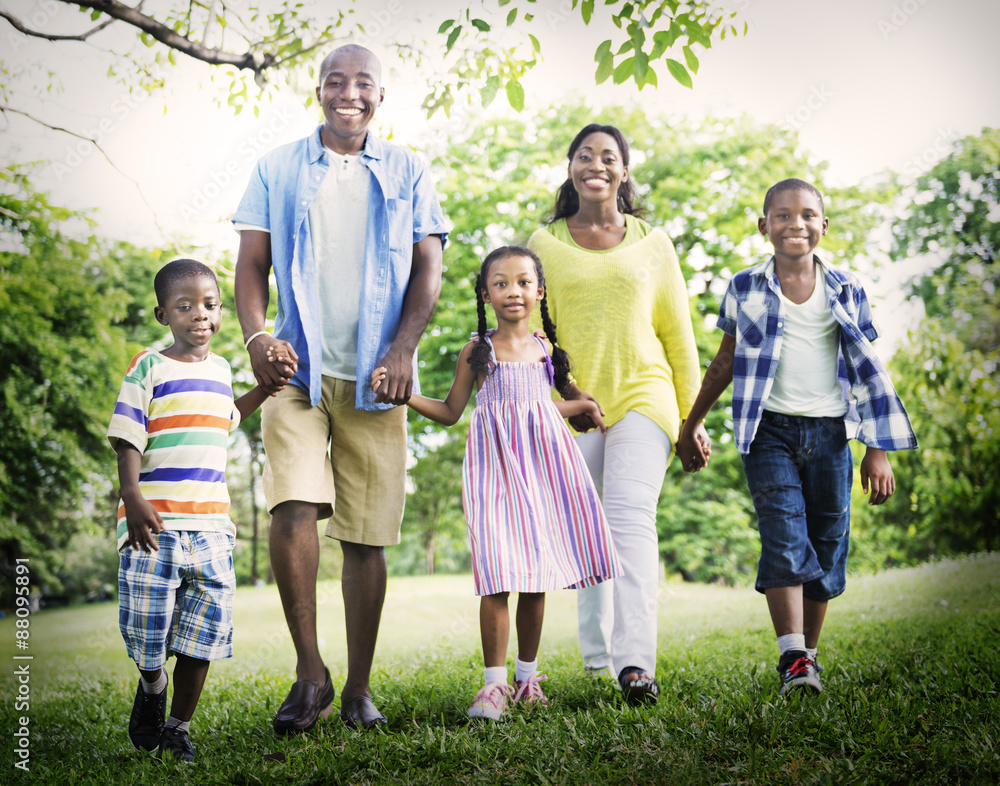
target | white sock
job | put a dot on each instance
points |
(791, 641)
(524, 670)
(175, 723)
(152, 688)
(495, 674)
(811, 653)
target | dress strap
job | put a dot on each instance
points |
(549, 368)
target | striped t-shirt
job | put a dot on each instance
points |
(178, 415)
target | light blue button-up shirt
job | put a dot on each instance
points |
(403, 209)
(752, 312)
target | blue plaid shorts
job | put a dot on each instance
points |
(178, 599)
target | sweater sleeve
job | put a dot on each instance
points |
(672, 323)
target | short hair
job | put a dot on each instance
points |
(791, 184)
(177, 270)
(349, 49)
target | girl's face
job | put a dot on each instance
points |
(512, 288)
(597, 169)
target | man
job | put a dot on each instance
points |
(353, 230)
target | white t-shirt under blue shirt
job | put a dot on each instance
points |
(806, 382)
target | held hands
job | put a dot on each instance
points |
(592, 417)
(273, 362)
(875, 467)
(395, 382)
(694, 447)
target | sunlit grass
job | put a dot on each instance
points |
(911, 661)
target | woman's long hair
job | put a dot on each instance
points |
(479, 358)
(568, 201)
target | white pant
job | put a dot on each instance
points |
(618, 617)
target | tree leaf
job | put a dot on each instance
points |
(640, 64)
(603, 50)
(452, 38)
(515, 94)
(605, 67)
(481, 25)
(511, 17)
(624, 70)
(587, 10)
(489, 91)
(534, 43)
(445, 25)
(679, 72)
(692, 61)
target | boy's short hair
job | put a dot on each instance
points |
(791, 184)
(176, 270)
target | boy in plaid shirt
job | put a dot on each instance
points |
(805, 381)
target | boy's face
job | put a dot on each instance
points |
(349, 92)
(794, 224)
(193, 312)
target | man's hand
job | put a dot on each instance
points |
(396, 379)
(273, 362)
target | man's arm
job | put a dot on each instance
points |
(253, 268)
(418, 307)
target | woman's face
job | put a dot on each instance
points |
(597, 169)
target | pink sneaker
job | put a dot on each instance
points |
(491, 701)
(530, 691)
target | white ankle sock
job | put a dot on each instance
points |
(811, 653)
(495, 674)
(524, 670)
(174, 723)
(152, 688)
(791, 641)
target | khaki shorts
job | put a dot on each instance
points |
(350, 462)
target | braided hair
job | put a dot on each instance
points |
(568, 201)
(479, 358)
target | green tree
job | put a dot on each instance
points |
(954, 214)
(948, 500)
(69, 319)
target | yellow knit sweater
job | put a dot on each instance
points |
(623, 317)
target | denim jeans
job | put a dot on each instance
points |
(800, 471)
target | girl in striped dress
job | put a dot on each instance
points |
(535, 520)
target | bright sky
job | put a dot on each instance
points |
(869, 85)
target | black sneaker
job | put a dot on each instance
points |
(146, 721)
(177, 742)
(797, 670)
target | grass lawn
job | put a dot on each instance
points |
(912, 661)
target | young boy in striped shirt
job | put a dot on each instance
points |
(176, 582)
(805, 380)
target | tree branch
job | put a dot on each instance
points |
(166, 36)
(4, 108)
(19, 26)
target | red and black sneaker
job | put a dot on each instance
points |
(798, 670)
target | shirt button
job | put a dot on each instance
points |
(303, 203)
(781, 324)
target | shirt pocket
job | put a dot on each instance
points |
(751, 322)
(399, 216)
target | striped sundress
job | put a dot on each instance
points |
(535, 520)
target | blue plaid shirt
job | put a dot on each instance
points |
(403, 209)
(752, 312)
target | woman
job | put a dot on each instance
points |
(616, 292)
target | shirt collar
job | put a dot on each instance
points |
(374, 147)
(766, 270)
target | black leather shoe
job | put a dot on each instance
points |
(362, 713)
(307, 702)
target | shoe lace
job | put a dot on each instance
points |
(494, 695)
(799, 666)
(529, 690)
